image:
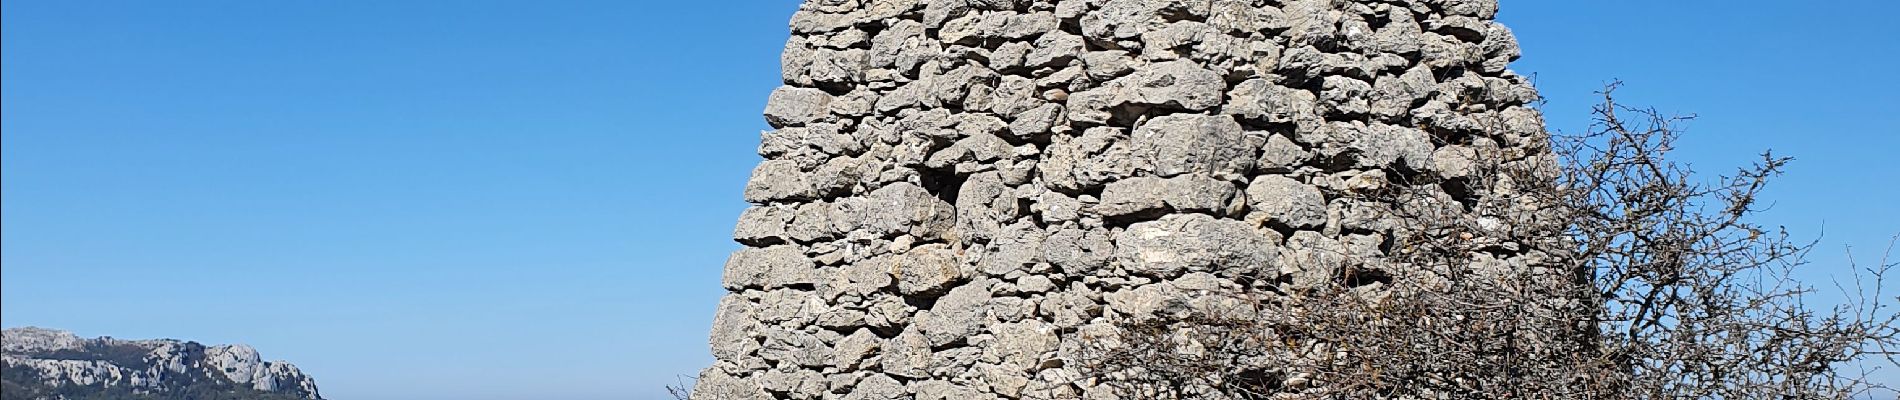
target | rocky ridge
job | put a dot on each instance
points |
(59, 364)
(957, 193)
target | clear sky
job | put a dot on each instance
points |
(510, 200)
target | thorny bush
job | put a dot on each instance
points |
(1598, 269)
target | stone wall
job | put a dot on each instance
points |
(956, 191)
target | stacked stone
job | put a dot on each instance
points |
(957, 194)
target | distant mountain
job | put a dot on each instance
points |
(52, 364)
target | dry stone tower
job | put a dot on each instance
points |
(955, 190)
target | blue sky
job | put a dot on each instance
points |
(507, 200)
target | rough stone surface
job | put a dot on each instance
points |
(1176, 244)
(1280, 200)
(956, 192)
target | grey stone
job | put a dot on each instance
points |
(1078, 251)
(804, 66)
(809, 145)
(841, 319)
(1285, 202)
(1178, 144)
(1018, 248)
(807, 21)
(984, 205)
(1175, 84)
(762, 225)
(714, 383)
(1399, 35)
(854, 349)
(801, 382)
(1003, 380)
(1439, 51)
(1115, 21)
(1178, 40)
(1262, 100)
(1281, 155)
(1345, 96)
(936, 12)
(1394, 95)
(956, 315)
(813, 222)
(1013, 95)
(1356, 215)
(1381, 145)
(861, 279)
(1022, 26)
(888, 312)
(1312, 22)
(895, 209)
(974, 150)
(841, 176)
(902, 46)
(794, 106)
(1036, 121)
(1055, 206)
(1054, 49)
(1470, 8)
(940, 390)
(1105, 65)
(1454, 161)
(972, 29)
(1469, 29)
(927, 269)
(1009, 57)
(1119, 23)
(954, 361)
(1099, 155)
(797, 347)
(975, 28)
(857, 103)
(877, 387)
(778, 180)
(1070, 307)
(1023, 345)
(769, 267)
(1500, 49)
(788, 307)
(1312, 259)
(1300, 65)
(976, 124)
(1149, 301)
(1183, 243)
(1186, 193)
(1010, 309)
(736, 328)
(907, 355)
(1035, 284)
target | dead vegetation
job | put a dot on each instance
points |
(1601, 271)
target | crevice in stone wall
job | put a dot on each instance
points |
(922, 302)
(1123, 221)
(1461, 189)
(942, 182)
(1361, 277)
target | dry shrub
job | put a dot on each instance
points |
(1602, 270)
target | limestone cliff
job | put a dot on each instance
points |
(52, 364)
